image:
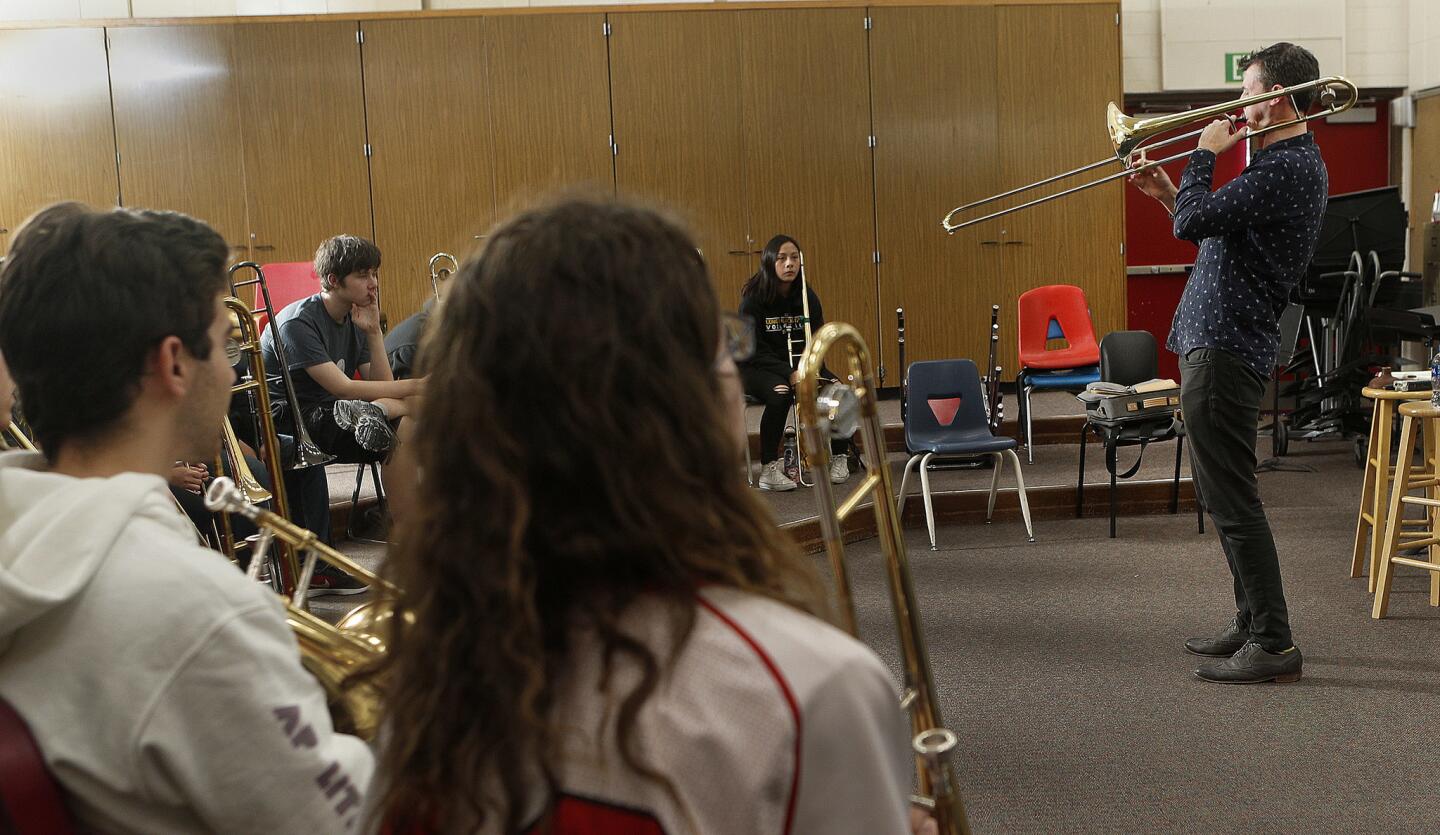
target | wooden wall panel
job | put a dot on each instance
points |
(805, 88)
(1046, 128)
(432, 162)
(550, 102)
(677, 116)
(177, 124)
(57, 140)
(1424, 174)
(302, 113)
(934, 75)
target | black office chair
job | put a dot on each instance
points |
(1127, 358)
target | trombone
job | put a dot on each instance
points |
(307, 454)
(1131, 135)
(247, 343)
(330, 653)
(13, 437)
(439, 273)
(835, 411)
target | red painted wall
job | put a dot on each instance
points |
(1357, 157)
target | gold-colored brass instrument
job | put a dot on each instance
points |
(439, 272)
(307, 454)
(15, 438)
(1131, 135)
(246, 338)
(330, 653)
(833, 412)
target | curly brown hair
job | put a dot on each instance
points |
(573, 458)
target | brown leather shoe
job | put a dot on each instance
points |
(1252, 665)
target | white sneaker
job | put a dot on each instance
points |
(839, 469)
(772, 477)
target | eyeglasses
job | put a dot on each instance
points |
(739, 336)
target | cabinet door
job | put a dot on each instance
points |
(676, 98)
(432, 153)
(807, 156)
(550, 102)
(934, 74)
(302, 114)
(177, 124)
(57, 141)
(1047, 128)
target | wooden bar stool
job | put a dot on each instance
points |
(1417, 415)
(1379, 470)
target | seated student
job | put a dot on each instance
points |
(403, 340)
(329, 337)
(771, 299)
(644, 645)
(163, 688)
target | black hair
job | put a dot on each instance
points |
(1287, 65)
(342, 255)
(765, 284)
(85, 295)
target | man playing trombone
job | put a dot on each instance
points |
(163, 688)
(1257, 235)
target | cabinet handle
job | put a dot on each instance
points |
(264, 247)
(989, 243)
(1014, 243)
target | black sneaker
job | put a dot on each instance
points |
(1223, 644)
(328, 579)
(1252, 665)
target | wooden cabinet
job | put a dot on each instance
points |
(752, 124)
(57, 141)
(806, 152)
(971, 101)
(302, 113)
(675, 93)
(471, 119)
(432, 150)
(177, 124)
(933, 71)
(550, 105)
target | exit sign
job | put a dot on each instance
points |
(1233, 73)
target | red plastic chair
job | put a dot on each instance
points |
(30, 799)
(288, 282)
(1055, 311)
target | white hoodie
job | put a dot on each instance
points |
(163, 688)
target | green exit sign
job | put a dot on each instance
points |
(1233, 73)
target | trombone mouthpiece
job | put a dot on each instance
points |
(224, 497)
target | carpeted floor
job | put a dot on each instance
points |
(1061, 668)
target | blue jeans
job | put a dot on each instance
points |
(1220, 398)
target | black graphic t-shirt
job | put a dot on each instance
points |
(780, 329)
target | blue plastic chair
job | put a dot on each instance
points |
(945, 418)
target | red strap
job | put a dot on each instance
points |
(28, 793)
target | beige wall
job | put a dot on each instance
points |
(1377, 50)
(1424, 45)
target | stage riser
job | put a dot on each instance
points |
(968, 508)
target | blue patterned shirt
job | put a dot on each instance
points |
(1257, 234)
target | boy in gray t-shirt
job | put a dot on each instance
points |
(348, 397)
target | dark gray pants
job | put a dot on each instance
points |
(1220, 397)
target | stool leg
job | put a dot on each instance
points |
(1364, 531)
(1432, 514)
(1392, 519)
(1380, 491)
